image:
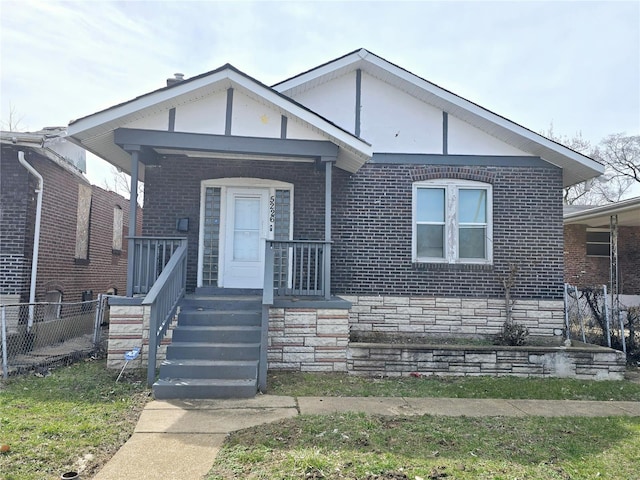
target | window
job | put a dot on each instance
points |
(54, 300)
(452, 222)
(117, 228)
(598, 242)
(83, 222)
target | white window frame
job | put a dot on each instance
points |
(452, 188)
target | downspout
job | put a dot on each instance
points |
(36, 237)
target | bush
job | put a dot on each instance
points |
(512, 334)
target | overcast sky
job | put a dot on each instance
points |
(573, 64)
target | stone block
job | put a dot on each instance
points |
(428, 302)
(415, 310)
(396, 300)
(320, 341)
(477, 357)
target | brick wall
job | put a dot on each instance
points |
(372, 223)
(57, 267)
(15, 199)
(372, 233)
(172, 191)
(586, 271)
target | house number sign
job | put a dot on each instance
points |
(272, 212)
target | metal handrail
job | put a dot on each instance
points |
(163, 299)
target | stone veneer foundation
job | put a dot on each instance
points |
(308, 339)
(129, 328)
(581, 361)
(311, 339)
(451, 316)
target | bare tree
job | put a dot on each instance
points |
(120, 183)
(14, 120)
(620, 155)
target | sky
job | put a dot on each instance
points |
(571, 64)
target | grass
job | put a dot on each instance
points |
(342, 385)
(356, 446)
(71, 420)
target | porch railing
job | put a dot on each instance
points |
(293, 267)
(163, 298)
(150, 257)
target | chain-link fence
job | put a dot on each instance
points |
(591, 317)
(38, 336)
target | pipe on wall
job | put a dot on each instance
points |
(36, 236)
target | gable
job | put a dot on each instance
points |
(481, 132)
(222, 102)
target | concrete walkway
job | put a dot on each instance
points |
(181, 438)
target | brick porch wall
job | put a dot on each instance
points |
(585, 271)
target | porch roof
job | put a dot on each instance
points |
(576, 167)
(628, 212)
(96, 132)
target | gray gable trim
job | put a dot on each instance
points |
(226, 143)
(358, 100)
(445, 133)
(172, 119)
(229, 112)
(475, 160)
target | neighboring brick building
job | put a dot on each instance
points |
(587, 245)
(82, 251)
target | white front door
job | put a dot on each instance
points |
(245, 233)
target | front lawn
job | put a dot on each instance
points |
(73, 419)
(342, 385)
(356, 446)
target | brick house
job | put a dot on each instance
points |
(81, 247)
(587, 245)
(357, 197)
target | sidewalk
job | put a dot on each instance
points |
(181, 438)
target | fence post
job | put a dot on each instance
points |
(98, 320)
(584, 340)
(566, 311)
(624, 342)
(3, 327)
(606, 315)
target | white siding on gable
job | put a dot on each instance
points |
(159, 121)
(253, 119)
(394, 121)
(299, 131)
(334, 100)
(465, 139)
(205, 115)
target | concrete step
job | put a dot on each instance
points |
(221, 303)
(223, 369)
(216, 291)
(220, 318)
(219, 334)
(212, 351)
(204, 388)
